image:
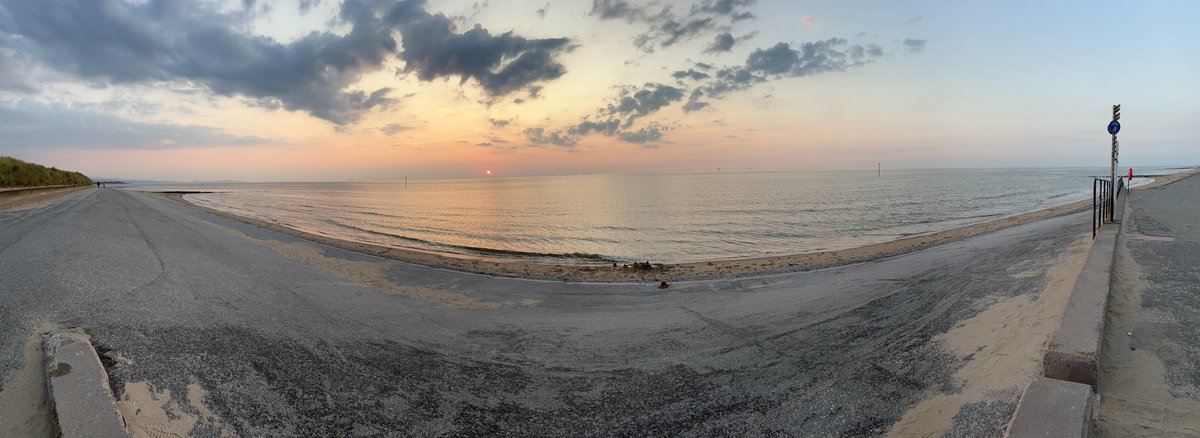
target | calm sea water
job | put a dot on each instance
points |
(659, 217)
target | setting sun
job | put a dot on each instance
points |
(488, 172)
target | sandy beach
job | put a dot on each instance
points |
(720, 269)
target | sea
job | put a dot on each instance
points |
(668, 217)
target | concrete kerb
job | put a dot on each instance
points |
(1061, 403)
(1053, 409)
(78, 388)
(1074, 350)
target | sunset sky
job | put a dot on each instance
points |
(262, 90)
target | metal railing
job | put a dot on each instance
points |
(1104, 202)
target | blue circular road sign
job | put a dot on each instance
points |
(1114, 127)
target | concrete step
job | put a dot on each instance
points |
(1053, 408)
(78, 386)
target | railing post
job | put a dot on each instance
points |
(1108, 202)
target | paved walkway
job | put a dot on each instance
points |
(215, 327)
(1150, 365)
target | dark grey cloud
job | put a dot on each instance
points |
(729, 79)
(117, 42)
(45, 127)
(500, 123)
(542, 11)
(675, 31)
(666, 30)
(647, 100)
(724, 7)
(777, 60)
(393, 128)
(914, 45)
(694, 103)
(608, 127)
(535, 91)
(501, 63)
(723, 42)
(478, 7)
(570, 136)
(538, 135)
(617, 9)
(665, 27)
(643, 136)
(619, 117)
(784, 61)
(690, 73)
(163, 40)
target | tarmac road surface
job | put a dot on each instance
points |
(290, 338)
(1150, 365)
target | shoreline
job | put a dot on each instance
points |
(707, 270)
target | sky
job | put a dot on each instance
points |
(320, 90)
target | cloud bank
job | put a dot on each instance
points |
(780, 61)
(117, 42)
(914, 45)
(666, 27)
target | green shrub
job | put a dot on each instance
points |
(17, 173)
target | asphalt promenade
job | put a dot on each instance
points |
(232, 329)
(1150, 366)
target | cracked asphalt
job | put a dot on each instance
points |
(173, 296)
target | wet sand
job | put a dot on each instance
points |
(24, 405)
(151, 414)
(1001, 347)
(722, 269)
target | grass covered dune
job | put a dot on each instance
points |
(17, 173)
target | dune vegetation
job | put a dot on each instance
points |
(17, 173)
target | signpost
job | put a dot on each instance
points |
(1113, 128)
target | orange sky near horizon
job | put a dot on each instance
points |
(526, 87)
